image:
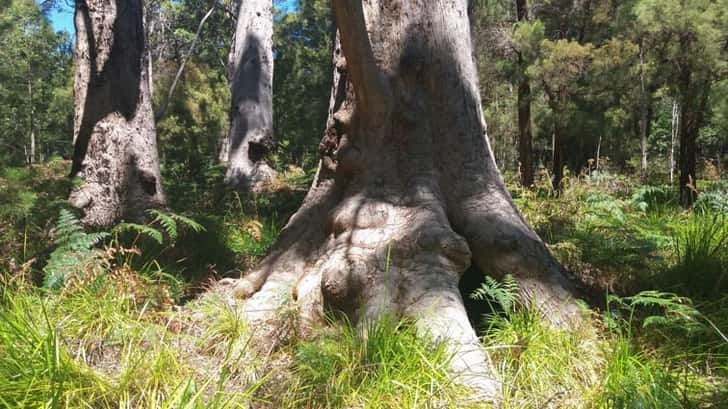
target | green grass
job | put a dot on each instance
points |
(383, 364)
(102, 349)
(701, 251)
(132, 338)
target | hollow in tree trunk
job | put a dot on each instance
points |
(251, 87)
(407, 196)
(115, 142)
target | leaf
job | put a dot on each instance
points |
(149, 231)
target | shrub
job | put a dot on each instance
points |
(701, 249)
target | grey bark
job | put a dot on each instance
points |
(251, 87)
(673, 137)
(407, 196)
(31, 124)
(115, 142)
(644, 114)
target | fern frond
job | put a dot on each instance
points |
(74, 256)
(187, 222)
(503, 292)
(143, 229)
(166, 221)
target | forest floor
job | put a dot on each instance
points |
(129, 318)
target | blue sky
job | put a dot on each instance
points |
(62, 18)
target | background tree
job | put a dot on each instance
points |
(251, 88)
(558, 72)
(35, 86)
(115, 147)
(690, 38)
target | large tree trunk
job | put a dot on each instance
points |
(115, 141)
(525, 151)
(407, 195)
(251, 87)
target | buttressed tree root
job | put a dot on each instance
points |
(407, 195)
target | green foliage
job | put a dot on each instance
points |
(74, 256)
(653, 308)
(104, 348)
(652, 197)
(35, 72)
(303, 46)
(504, 293)
(37, 368)
(384, 364)
(701, 249)
(634, 380)
(713, 200)
(543, 366)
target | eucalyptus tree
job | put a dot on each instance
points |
(251, 88)
(115, 155)
(407, 196)
(689, 37)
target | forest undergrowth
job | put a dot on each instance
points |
(124, 319)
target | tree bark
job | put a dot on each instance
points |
(251, 85)
(115, 147)
(691, 120)
(31, 124)
(675, 130)
(525, 150)
(407, 196)
(644, 114)
(557, 168)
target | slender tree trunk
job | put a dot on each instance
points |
(599, 152)
(408, 194)
(675, 130)
(150, 62)
(251, 85)
(644, 114)
(525, 150)
(558, 156)
(165, 104)
(115, 144)
(31, 124)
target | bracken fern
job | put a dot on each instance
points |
(75, 255)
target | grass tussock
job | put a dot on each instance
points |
(383, 364)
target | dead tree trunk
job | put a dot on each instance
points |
(408, 195)
(115, 142)
(251, 86)
(675, 130)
